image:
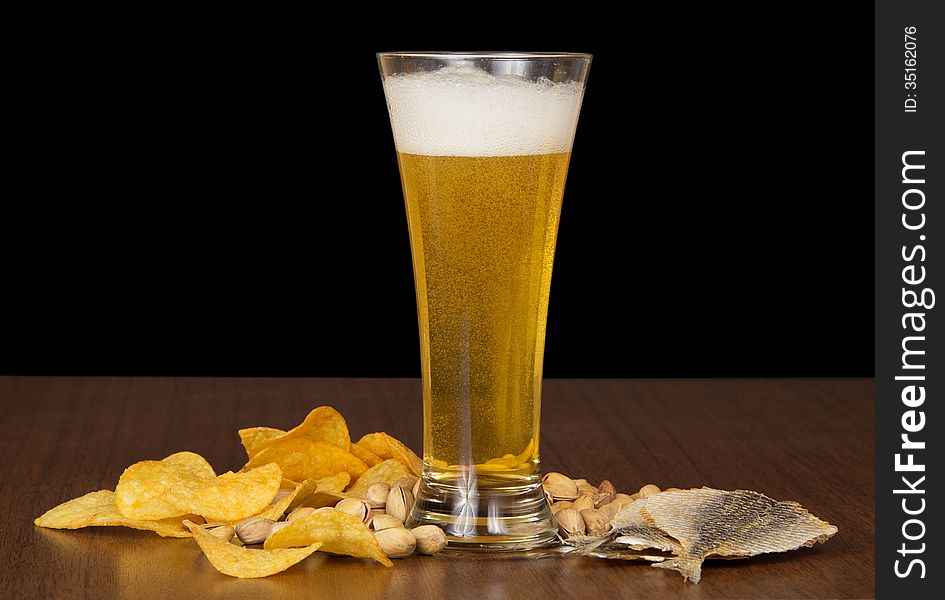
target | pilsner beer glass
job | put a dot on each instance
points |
(483, 142)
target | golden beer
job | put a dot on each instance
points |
(483, 144)
(483, 234)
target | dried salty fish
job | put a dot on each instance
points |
(640, 543)
(676, 529)
(702, 523)
(629, 515)
(632, 532)
(615, 553)
(710, 522)
(630, 535)
(641, 538)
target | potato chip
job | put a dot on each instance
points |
(299, 494)
(376, 443)
(405, 455)
(327, 492)
(190, 462)
(324, 424)
(322, 499)
(369, 458)
(141, 488)
(99, 509)
(254, 438)
(301, 459)
(386, 446)
(388, 471)
(231, 496)
(334, 483)
(244, 563)
(308, 465)
(338, 533)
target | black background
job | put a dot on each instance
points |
(218, 194)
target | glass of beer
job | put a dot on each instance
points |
(483, 142)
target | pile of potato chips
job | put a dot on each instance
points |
(314, 464)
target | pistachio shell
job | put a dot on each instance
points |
(357, 508)
(407, 482)
(430, 539)
(570, 522)
(277, 526)
(373, 514)
(222, 531)
(596, 522)
(254, 530)
(282, 493)
(298, 513)
(560, 487)
(399, 503)
(376, 494)
(605, 494)
(649, 490)
(396, 542)
(382, 521)
(582, 503)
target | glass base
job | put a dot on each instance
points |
(485, 511)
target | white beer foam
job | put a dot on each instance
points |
(464, 111)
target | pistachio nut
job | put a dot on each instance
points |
(407, 482)
(596, 522)
(430, 539)
(648, 490)
(570, 522)
(221, 530)
(282, 493)
(614, 506)
(376, 494)
(396, 542)
(582, 503)
(357, 508)
(384, 521)
(605, 493)
(399, 503)
(372, 514)
(609, 509)
(277, 526)
(560, 487)
(557, 506)
(254, 530)
(300, 512)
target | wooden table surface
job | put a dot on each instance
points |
(809, 440)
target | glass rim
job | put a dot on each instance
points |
(486, 54)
